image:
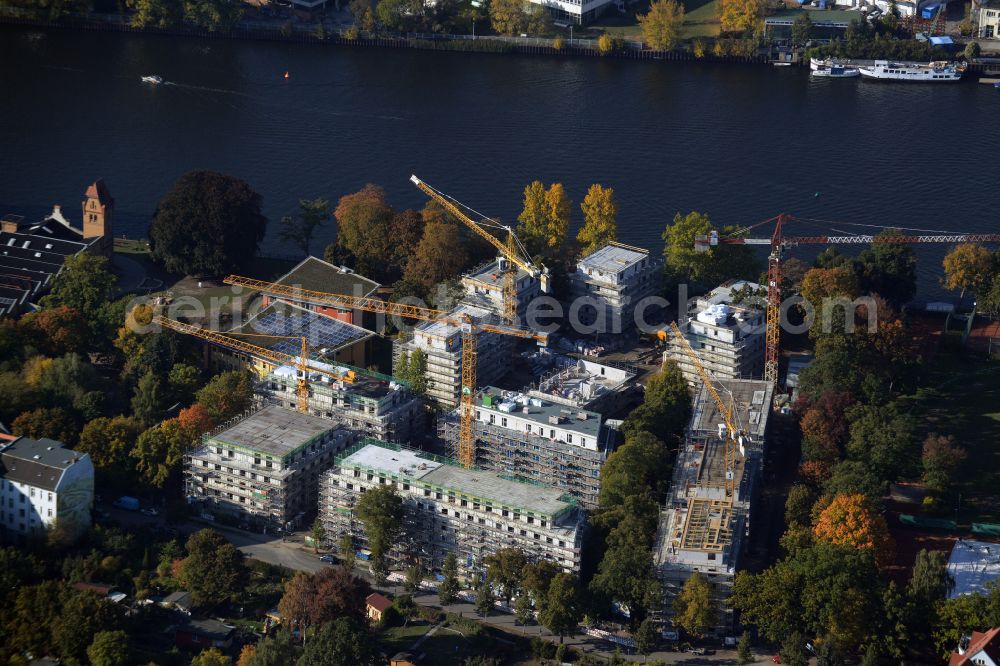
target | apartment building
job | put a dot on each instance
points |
(700, 527)
(484, 287)
(375, 405)
(42, 484)
(536, 438)
(263, 468)
(609, 284)
(586, 384)
(449, 509)
(441, 341)
(726, 328)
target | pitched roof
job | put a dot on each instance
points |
(207, 628)
(39, 463)
(317, 275)
(98, 190)
(988, 642)
(378, 602)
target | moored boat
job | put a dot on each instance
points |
(836, 72)
(934, 72)
(152, 78)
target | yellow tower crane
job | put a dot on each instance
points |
(515, 255)
(468, 327)
(300, 362)
(735, 437)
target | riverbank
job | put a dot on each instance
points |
(721, 50)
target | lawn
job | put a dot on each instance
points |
(399, 639)
(701, 19)
(960, 396)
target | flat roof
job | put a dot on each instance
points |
(540, 413)
(274, 430)
(491, 275)
(475, 482)
(751, 399)
(614, 258)
(444, 329)
(972, 564)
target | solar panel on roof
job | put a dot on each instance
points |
(319, 330)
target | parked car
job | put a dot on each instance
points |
(127, 503)
(700, 651)
(776, 658)
(149, 511)
(329, 559)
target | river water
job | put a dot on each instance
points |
(742, 143)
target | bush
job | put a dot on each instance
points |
(352, 33)
(972, 50)
(698, 48)
(605, 45)
(558, 43)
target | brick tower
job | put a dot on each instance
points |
(98, 214)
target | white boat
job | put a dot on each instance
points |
(817, 63)
(152, 78)
(782, 64)
(836, 72)
(934, 72)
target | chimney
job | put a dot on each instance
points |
(11, 223)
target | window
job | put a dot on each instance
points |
(569, 438)
(32, 492)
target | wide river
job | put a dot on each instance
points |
(742, 143)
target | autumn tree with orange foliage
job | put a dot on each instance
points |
(850, 520)
(196, 420)
(740, 15)
(57, 331)
(814, 472)
(824, 428)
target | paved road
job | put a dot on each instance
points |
(292, 554)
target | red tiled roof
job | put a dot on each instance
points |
(378, 602)
(988, 642)
(98, 190)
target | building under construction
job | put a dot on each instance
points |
(451, 509)
(484, 287)
(610, 283)
(375, 405)
(599, 387)
(701, 528)
(726, 329)
(536, 438)
(263, 467)
(441, 341)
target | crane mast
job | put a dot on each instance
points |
(508, 249)
(467, 326)
(733, 434)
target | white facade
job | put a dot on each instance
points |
(43, 484)
(609, 285)
(989, 20)
(578, 11)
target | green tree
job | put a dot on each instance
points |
(211, 657)
(641, 462)
(484, 599)
(278, 649)
(888, 269)
(600, 219)
(345, 546)
(109, 440)
(57, 330)
(380, 510)
(661, 26)
(318, 534)
(84, 284)
(340, 643)
(207, 224)
(448, 588)
(802, 28)
(81, 615)
(183, 380)
(743, 654)
(972, 50)
(793, 650)
(853, 477)
(414, 576)
(159, 451)
(157, 13)
(626, 573)
(536, 578)
(941, 460)
(685, 264)
(440, 256)
(538, 21)
(562, 611)
(695, 610)
(53, 423)
(666, 406)
(109, 648)
(227, 394)
(214, 14)
(968, 266)
(213, 571)
(883, 437)
(364, 224)
(299, 230)
(505, 570)
(507, 16)
(150, 400)
(394, 14)
(522, 609)
(645, 637)
(799, 504)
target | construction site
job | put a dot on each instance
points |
(262, 468)
(705, 519)
(450, 509)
